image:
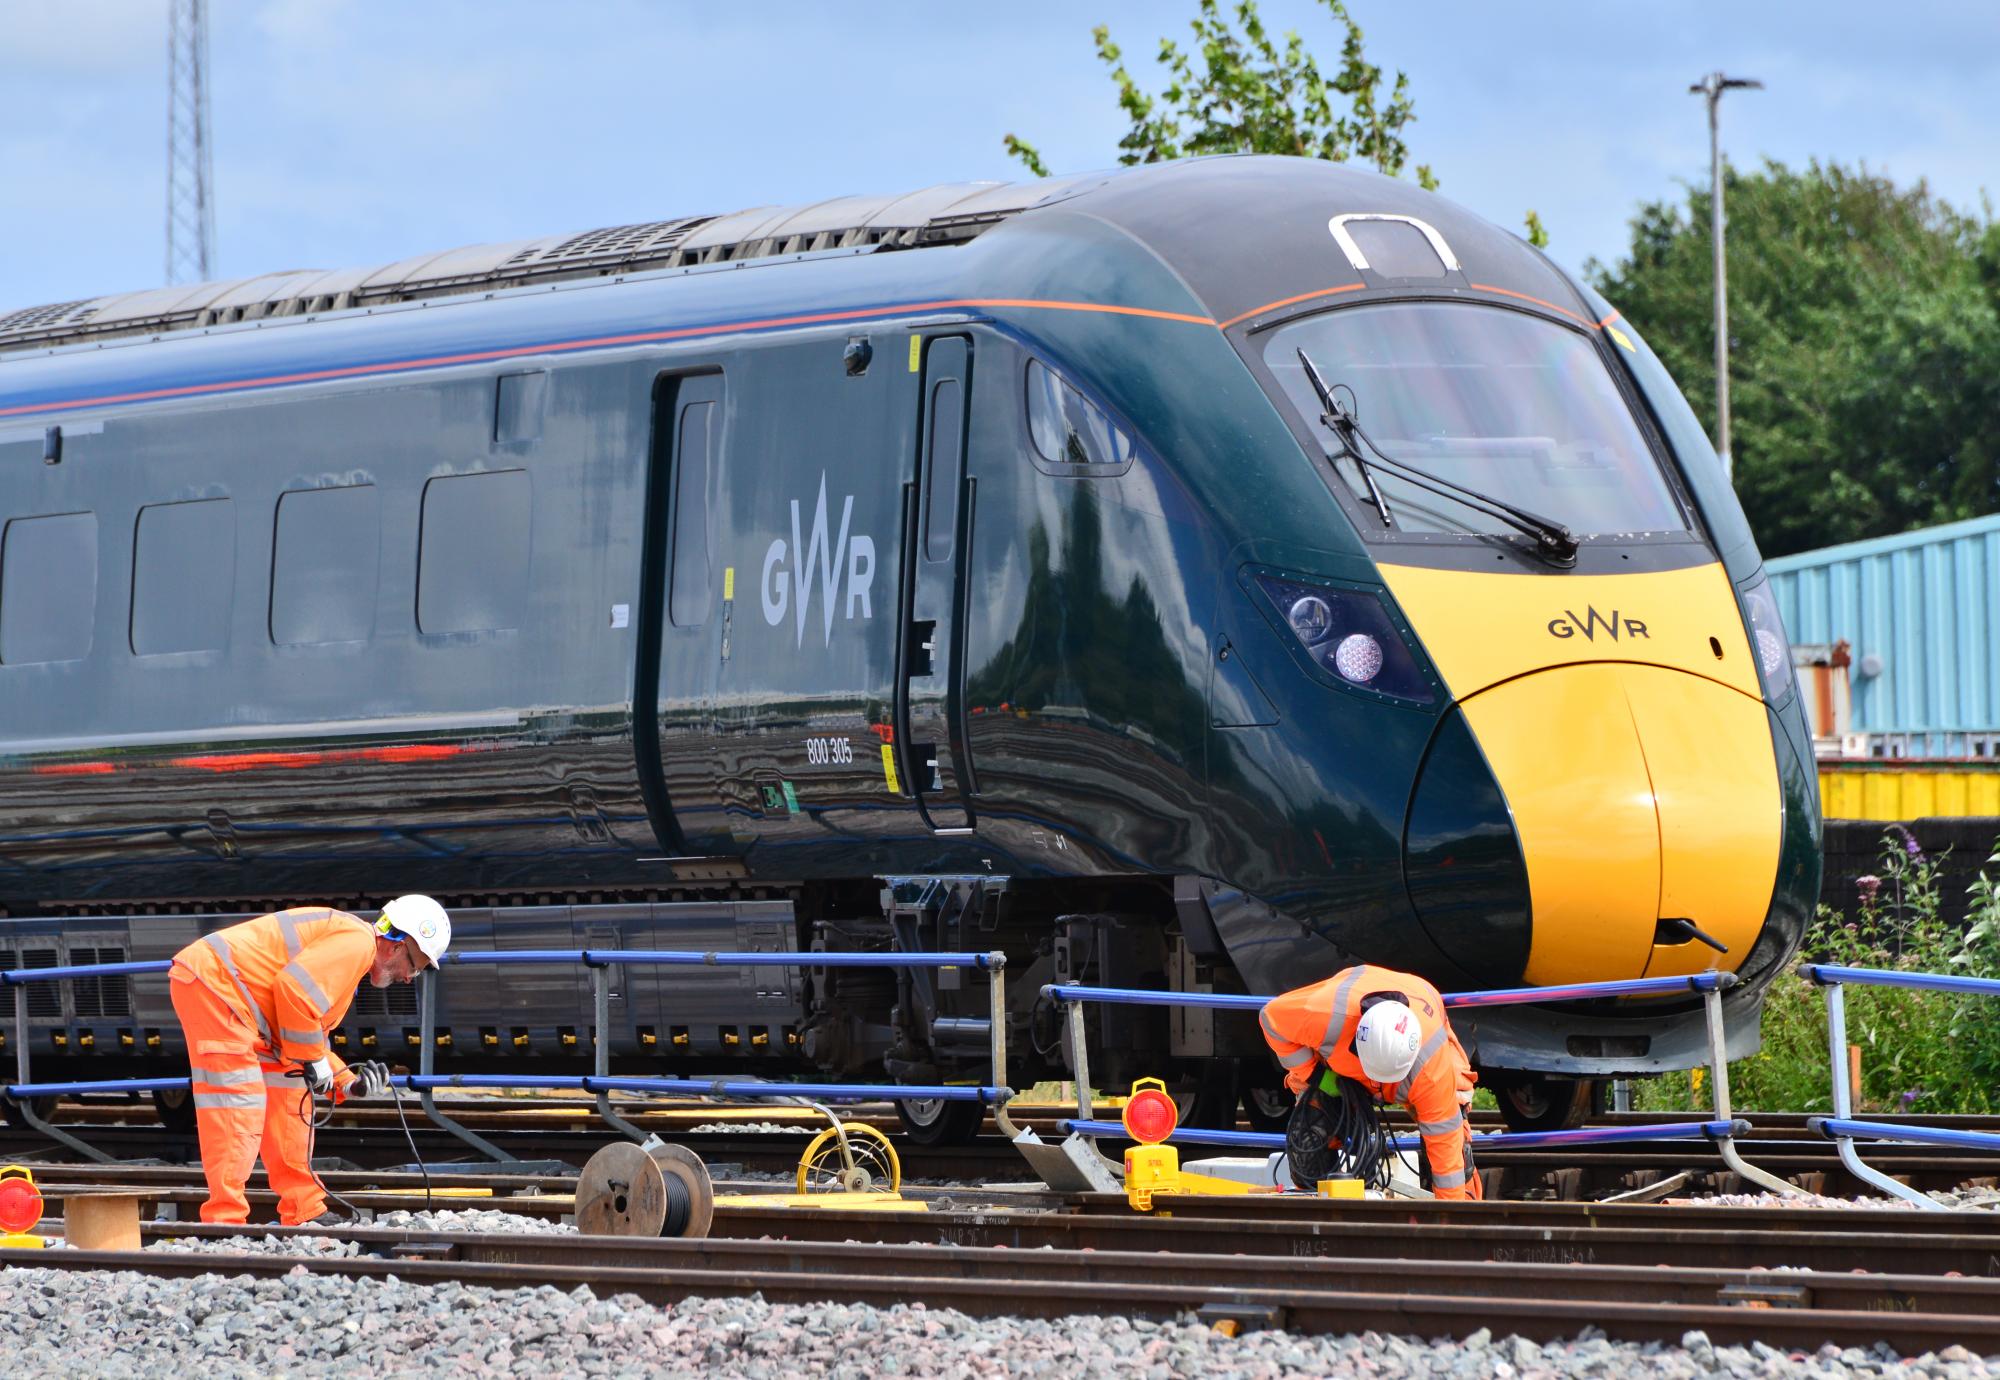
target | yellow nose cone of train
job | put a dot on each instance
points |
(1638, 768)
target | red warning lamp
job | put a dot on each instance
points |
(1150, 1115)
(20, 1201)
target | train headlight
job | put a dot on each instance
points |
(1311, 619)
(1351, 635)
(1768, 643)
(1358, 657)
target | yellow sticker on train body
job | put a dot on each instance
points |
(1625, 726)
(889, 769)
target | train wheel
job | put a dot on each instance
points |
(1208, 1099)
(43, 1107)
(876, 1168)
(1268, 1108)
(176, 1109)
(934, 1121)
(1545, 1104)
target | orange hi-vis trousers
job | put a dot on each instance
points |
(243, 1104)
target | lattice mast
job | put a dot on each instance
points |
(190, 161)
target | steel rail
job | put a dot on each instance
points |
(1315, 1295)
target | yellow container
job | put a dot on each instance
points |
(1340, 1188)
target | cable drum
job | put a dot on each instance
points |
(653, 1189)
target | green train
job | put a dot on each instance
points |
(1196, 576)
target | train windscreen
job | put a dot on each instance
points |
(1499, 401)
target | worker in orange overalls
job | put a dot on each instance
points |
(255, 1001)
(1375, 1035)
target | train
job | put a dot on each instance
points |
(1197, 576)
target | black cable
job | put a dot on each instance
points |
(422, 1168)
(1363, 1137)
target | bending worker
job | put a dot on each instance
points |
(255, 1002)
(1373, 1035)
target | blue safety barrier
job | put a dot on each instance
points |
(600, 958)
(1493, 1140)
(21, 977)
(1506, 996)
(1710, 986)
(107, 1085)
(1923, 1135)
(1841, 1128)
(1826, 973)
(600, 1083)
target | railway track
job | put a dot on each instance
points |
(1737, 1280)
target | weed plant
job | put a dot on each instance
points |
(1920, 1051)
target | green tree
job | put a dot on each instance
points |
(1246, 92)
(1864, 346)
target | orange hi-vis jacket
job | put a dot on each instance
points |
(291, 974)
(1313, 1025)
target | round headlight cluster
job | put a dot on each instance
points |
(1358, 658)
(1770, 651)
(1311, 619)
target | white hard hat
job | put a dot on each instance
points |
(1387, 1041)
(421, 919)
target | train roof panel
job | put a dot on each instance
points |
(1243, 232)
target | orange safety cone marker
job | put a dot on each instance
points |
(20, 1209)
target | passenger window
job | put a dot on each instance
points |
(183, 576)
(325, 565)
(1071, 433)
(697, 451)
(472, 555)
(48, 588)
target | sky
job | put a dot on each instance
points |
(354, 132)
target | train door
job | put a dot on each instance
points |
(937, 524)
(681, 641)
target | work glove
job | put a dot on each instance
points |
(319, 1077)
(370, 1080)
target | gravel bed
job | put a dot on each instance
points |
(54, 1324)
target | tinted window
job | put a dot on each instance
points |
(183, 576)
(1507, 403)
(472, 559)
(325, 565)
(946, 445)
(696, 440)
(48, 588)
(1072, 433)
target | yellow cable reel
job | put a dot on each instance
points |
(850, 1158)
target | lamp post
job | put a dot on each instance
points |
(1712, 86)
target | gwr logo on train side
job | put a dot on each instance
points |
(1592, 623)
(845, 559)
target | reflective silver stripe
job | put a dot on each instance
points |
(311, 1039)
(1338, 1016)
(1455, 1179)
(291, 931)
(1301, 1055)
(1425, 1053)
(284, 1082)
(214, 1101)
(1441, 1128)
(309, 987)
(224, 1076)
(221, 947)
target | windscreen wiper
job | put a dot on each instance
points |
(1554, 542)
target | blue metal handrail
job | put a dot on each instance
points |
(20, 977)
(1826, 973)
(1883, 1130)
(1504, 996)
(1492, 1140)
(1841, 1128)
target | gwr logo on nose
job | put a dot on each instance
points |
(1592, 622)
